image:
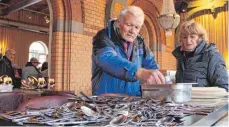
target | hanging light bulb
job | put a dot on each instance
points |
(47, 20)
(168, 19)
(29, 16)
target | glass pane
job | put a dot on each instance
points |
(37, 50)
(33, 54)
(37, 47)
(42, 58)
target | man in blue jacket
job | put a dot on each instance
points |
(120, 58)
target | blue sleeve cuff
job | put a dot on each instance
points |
(130, 72)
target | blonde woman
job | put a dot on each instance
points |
(198, 60)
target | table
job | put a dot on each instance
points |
(214, 118)
(28, 94)
(10, 100)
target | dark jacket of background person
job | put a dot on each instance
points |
(6, 67)
(110, 75)
(204, 66)
(44, 69)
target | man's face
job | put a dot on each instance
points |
(129, 27)
(11, 55)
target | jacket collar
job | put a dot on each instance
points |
(200, 48)
(29, 64)
(114, 34)
(6, 59)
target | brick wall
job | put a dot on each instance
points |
(94, 15)
(117, 8)
(71, 51)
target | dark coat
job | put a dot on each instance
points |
(204, 66)
(6, 67)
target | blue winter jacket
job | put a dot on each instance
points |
(112, 72)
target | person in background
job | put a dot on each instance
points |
(31, 69)
(6, 62)
(6, 66)
(199, 61)
(120, 58)
(16, 73)
(44, 69)
(17, 79)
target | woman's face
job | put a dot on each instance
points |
(189, 41)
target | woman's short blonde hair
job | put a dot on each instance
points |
(192, 27)
(136, 11)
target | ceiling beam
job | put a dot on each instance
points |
(42, 7)
(15, 7)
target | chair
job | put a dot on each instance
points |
(43, 102)
(10, 101)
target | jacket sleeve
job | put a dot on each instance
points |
(148, 59)
(24, 74)
(2, 66)
(217, 71)
(106, 57)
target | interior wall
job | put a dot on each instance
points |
(72, 42)
(20, 40)
(29, 17)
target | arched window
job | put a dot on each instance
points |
(39, 50)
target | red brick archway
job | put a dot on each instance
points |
(156, 44)
(67, 28)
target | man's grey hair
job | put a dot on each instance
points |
(134, 10)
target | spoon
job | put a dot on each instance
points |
(88, 98)
(91, 101)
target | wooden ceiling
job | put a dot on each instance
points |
(39, 6)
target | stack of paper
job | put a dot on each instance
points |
(208, 96)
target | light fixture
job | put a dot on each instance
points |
(183, 6)
(29, 16)
(168, 19)
(47, 20)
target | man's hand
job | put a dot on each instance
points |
(0, 50)
(150, 76)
